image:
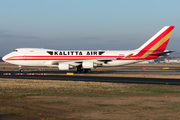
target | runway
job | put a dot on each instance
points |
(93, 78)
(128, 71)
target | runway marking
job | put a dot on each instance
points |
(165, 68)
(69, 73)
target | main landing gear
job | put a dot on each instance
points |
(80, 70)
(87, 70)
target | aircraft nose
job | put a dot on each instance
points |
(4, 58)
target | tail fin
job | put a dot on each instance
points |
(157, 43)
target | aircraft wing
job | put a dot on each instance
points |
(105, 60)
(101, 60)
(108, 59)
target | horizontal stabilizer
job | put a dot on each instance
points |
(163, 53)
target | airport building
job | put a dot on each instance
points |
(166, 60)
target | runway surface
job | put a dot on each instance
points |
(128, 71)
(91, 78)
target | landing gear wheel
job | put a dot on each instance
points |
(20, 70)
(87, 70)
(79, 70)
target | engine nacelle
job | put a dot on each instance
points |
(63, 66)
(87, 65)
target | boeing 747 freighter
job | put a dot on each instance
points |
(86, 60)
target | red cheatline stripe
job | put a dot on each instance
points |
(143, 51)
(14, 58)
(69, 58)
(59, 57)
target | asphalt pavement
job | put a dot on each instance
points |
(63, 77)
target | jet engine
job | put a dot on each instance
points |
(65, 66)
(88, 65)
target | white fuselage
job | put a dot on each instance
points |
(46, 57)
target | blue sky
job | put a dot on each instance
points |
(85, 24)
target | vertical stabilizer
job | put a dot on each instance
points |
(157, 43)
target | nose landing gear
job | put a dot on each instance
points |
(20, 69)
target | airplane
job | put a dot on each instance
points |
(86, 60)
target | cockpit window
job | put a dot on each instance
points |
(15, 50)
